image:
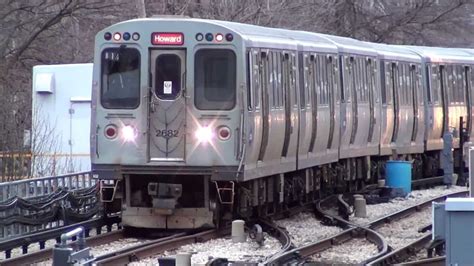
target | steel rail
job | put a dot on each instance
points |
(279, 233)
(436, 261)
(47, 253)
(117, 253)
(412, 209)
(351, 231)
(136, 254)
(42, 236)
(354, 230)
(403, 253)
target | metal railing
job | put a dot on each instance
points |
(36, 187)
(29, 188)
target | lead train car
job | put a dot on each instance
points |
(196, 118)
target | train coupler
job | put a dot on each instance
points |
(165, 196)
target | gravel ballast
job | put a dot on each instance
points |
(353, 251)
(305, 229)
(248, 251)
(413, 198)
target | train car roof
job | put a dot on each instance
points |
(395, 53)
(256, 34)
(442, 55)
(352, 46)
(259, 36)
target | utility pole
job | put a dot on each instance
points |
(141, 8)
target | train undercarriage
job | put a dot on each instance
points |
(199, 201)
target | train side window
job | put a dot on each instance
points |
(386, 83)
(249, 65)
(335, 71)
(342, 69)
(330, 80)
(314, 80)
(406, 84)
(277, 65)
(369, 74)
(305, 59)
(359, 80)
(120, 78)
(293, 78)
(428, 84)
(324, 76)
(277, 77)
(257, 85)
(365, 81)
(264, 79)
(215, 79)
(461, 84)
(319, 80)
(451, 86)
(435, 83)
(271, 79)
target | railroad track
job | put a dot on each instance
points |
(41, 237)
(137, 253)
(401, 254)
(47, 253)
(385, 255)
(436, 261)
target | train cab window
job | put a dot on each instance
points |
(214, 79)
(168, 76)
(120, 78)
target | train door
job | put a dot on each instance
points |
(332, 98)
(265, 103)
(355, 115)
(347, 116)
(291, 108)
(414, 89)
(396, 101)
(469, 82)
(371, 91)
(253, 107)
(444, 98)
(167, 113)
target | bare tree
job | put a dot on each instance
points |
(62, 31)
(40, 32)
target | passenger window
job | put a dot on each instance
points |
(330, 75)
(277, 67)
(120, 80)
(215, 79)
(249, 81)
(168, 76)
(435, 83)
(256, 79)
(271, 80)
(293, 78)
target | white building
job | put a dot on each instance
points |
(61, 119)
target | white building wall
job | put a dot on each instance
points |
(61, 119)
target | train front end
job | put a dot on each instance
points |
(166, 134)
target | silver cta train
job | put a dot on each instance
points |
(195, 120)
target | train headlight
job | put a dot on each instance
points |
(204, 134)
(129, 133)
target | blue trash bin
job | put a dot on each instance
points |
(398, 175)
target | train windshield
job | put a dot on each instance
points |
(120, 78)
(214, 79)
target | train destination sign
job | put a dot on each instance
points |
(167, 38)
